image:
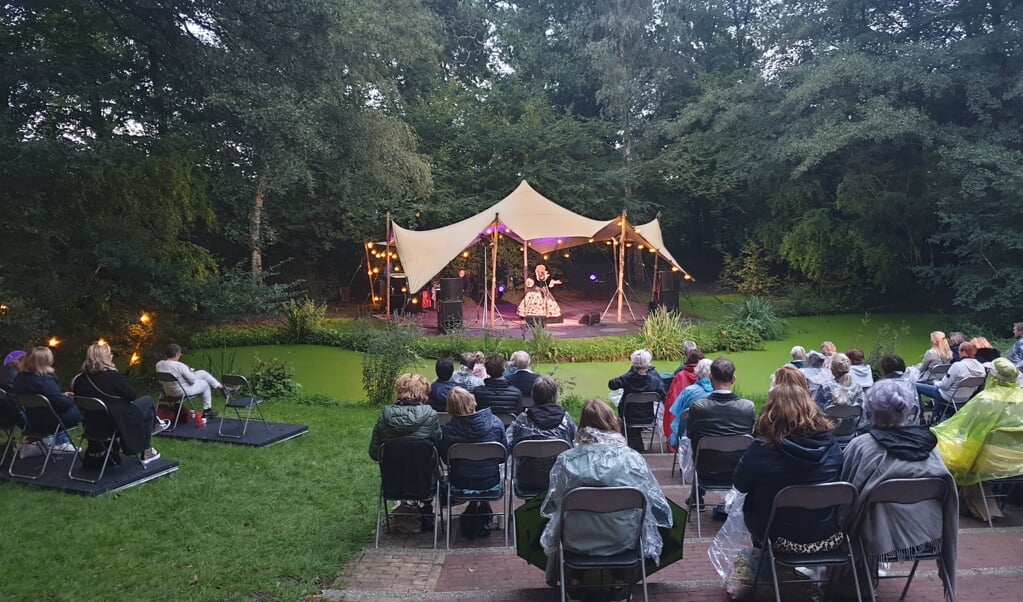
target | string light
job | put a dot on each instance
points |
(53, 342)
(145, 318)
(134, 359)
(102, 342)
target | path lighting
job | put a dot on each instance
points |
(3, 309)
(53, 342)
(145, 318)
(102, 342)
(134, 359)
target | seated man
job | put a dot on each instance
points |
(521, 377)
(195, 382)
(720, 414)
(1016, 353)
(798, 354)
(545, 420)
(941, 393)
(496, 393)
(465, 376)
(641, 378)
(445, 368)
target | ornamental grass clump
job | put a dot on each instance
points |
(664, 334)
(759, 316)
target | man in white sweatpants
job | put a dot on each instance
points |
(195, 382)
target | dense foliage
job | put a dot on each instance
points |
(157, 155)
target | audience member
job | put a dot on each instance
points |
(794, 446)
(1016, 353)
(134, 419)
(522, 376)
(641, 378)
(966, 367)
(986, 352)
(789, 375)
(683, 378)
(893, 449)
(194, 382)
(842, 391)
(938, 354)
(955, 339)
(859, 370)
(893, 367)
(469, 425)
(445, 369)
(720, 414)
(496, 392)
(37, 378)
(798, 354)
(410, 417)
(698, 390)
(828, 349)
(602, 459)
(464, 376)
(815, 371)
(12, 365)
(10, 410)
(545, 420)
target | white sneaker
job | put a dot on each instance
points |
(161, 425)
(29, 450)
(65, 448)
(150, 455)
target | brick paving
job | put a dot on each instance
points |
(405, 567)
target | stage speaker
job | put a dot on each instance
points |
(590, 318)
(450, 317)
(451, 290)
(669, 290)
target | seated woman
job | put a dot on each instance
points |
(545, 420)
(794, 446)
(641, 378)
(37, 378)
(601, 458)
(986, 352)
(842, 391)
(938, 354)
(409, 417)
(469, 426)
(894, 449)
(134, 419)
(698, 390)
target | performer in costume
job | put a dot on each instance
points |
(538, 300)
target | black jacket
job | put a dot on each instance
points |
(764, 470)
(134, 423)
(439, 394)
(481, 427)
(47, 385)
(523, 381)
(498, 395)
(720, 414)
(634, 382)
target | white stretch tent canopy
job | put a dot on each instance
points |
(525, 216)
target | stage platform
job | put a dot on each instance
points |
(255, 436)
(116, 478)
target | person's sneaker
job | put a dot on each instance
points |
(696, 507)
(150, 455)
(65, 448)
(31, 449)
(161, 425)
(209, 413)
(229, 391)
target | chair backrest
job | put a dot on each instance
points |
(409, 469)
(38, 403)
(444, 418)
(167, 377)
(490, 450)
(838, 495)
(237, 382)
(847, 417)
(98, 423)
(719, 456)
(506, 418)
(527, 401)
(603, 500)
(637, 399)
(539, 448)
(938, 372)
(963, 390)
(907, 491)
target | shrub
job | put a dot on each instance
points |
(238, 336)
(758, 315)
(886, 343)
(303, 318)
(387, 353)
(273, 378)
(748, 273)
(736, 337)
(541, 344)
(665, 332)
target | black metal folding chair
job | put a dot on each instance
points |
(460, 452)
(847, 419)
(241, 397)
(538, 450)
(98, 427)
(674, 456)
(409, 470)
(714, 460)
(938, 372)
(639, 399)
(602, 500)
(906, 491)
(175, 400)
(837, 497)
(35, 405)
(1010, 437)
(10, 422)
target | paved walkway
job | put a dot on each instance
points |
(990, 566)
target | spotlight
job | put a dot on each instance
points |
(593, 277)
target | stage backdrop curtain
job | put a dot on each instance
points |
(525, 215)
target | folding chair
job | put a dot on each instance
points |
(716, 456)
(461, 452)
(639, 399)
(443, 418)
(527, 402)
(98, 427)
(938, 372)
(409, 470)
(1007, 437)
(41, 404)
(838, 497)
(602, 500)
(847, 419)
(674, 456)
(241, 397)
(905, 491)
(178, 400)
(506, 418)
(536, 449)
(964, 390)
(10, 421)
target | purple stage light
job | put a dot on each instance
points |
(593, 277)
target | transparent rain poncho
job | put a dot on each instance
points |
(603, 459)
(984, 439)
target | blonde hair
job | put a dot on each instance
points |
(412, 387)
(597, 414)
(790, 411)
(940, 344)
(460, 402)
(98, 358)
(38, 361)
(790, 375)
(981, 343)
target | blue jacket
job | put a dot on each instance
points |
(764, 470)
(439, 394)
(697, 390)
(498, 395)
(480, 427)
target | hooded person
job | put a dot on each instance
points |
(896, 449)
(842, 391)
(859, 370)
(815, 372)
(794, 445)
(545, 420)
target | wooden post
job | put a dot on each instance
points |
(387, 286)
(369, 274)
(621, 267)
(493, 274)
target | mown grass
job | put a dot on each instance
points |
(234, 523)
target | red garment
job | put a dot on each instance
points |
(685, 377)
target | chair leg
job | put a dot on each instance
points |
(987, 510)
(380, 501)
(774, 572)
(46, 460)
(447, 527)
(696, 503)
(909, 580)
(561, 571)
(866, 573)
(642, 564)
(852, 563)
(259, 410)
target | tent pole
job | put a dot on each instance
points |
(387, 288)
(653, 281)
(621, 267)
(493, 275)
(369, 275)
(525, 264)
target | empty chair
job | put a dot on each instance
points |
(536, 457)
(36, 406)
(715, 459)
(577, 503)
(240, 396)
(409, 470)
(175, 400)
(642, 409)
(489, 451)
(99, 427)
